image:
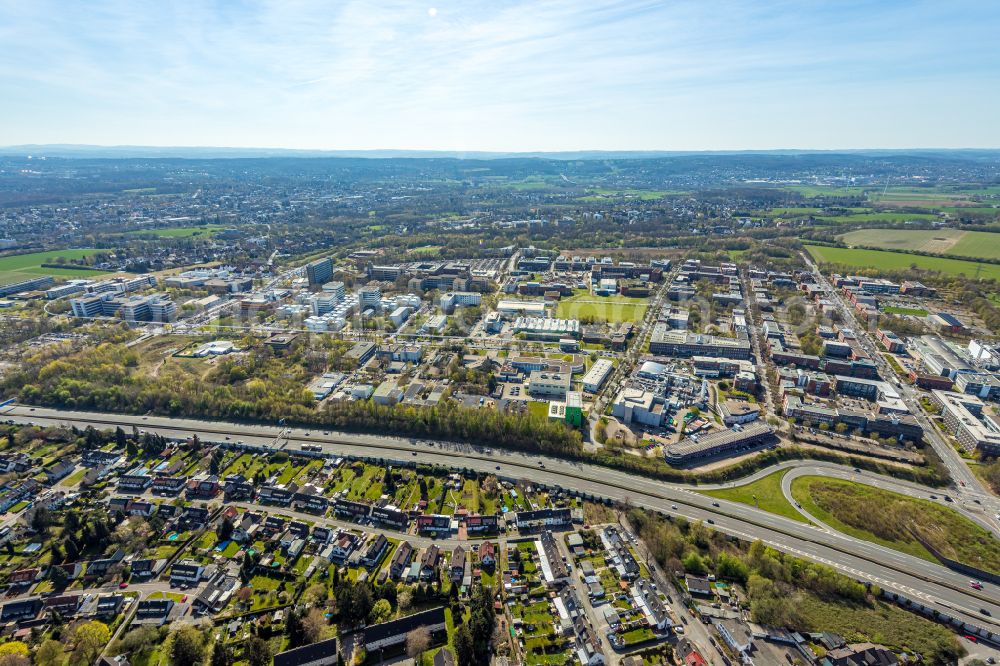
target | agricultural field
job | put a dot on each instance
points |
(876, 216)
(940, 241)
(857, 258)
(17, 267)
(586, 306)
(891, 519)
(179, 232)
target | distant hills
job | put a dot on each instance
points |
(195, 152)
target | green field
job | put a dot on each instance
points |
(767, 492)
(602, 194)
(915, 312)
(617, 308)
(179, 232)
(856, 258)
(939, 241)
(815, 191)
(875, 216)
(889, 519)
(26, 266)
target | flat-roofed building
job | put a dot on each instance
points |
(719, 443)
(549, 384)
(683, 344)
(963, 415)
(597, 375)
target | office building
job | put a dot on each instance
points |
(320, 271)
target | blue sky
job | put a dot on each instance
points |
(502, 75)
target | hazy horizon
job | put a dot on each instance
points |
(517, 77)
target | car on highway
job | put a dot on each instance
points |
(122, 586)
(986, 612)
(975, 585)
(673, 506)
(498, 466)
(715, 504)
(711, 522)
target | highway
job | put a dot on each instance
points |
(917, 579)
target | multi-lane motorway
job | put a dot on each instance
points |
(917, 579)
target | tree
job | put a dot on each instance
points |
(417, 642)
(15, 660)
(13, 649)
(225, 531)
(381, 612)
(464, 646)
(50, 653)
(90, 639)
(257, 652)
(314, 595)
(139, 641)
(313, 626)
(222, 655)
(188, 648)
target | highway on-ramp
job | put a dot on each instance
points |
(919, 580)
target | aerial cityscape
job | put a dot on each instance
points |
(515, 393)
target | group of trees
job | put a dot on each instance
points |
(108, 378)
(472, 639)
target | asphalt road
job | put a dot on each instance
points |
(920, 580)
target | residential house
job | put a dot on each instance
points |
(400, 560)
(169, 485)
(145, 569)
(456, 568)
(543, 518)
(376, 548)
(59, 471)
(428, 562)
(349, 510)
(478, 524)
(217, 593)
(487, 554)
(21, 610)
(391, 517)
(237, 487)
(186, 572)
(433, 524)
(155, 612)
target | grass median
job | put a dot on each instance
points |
(764, 493)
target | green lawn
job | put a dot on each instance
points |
(537, 408)
(857, 258)
(889, 519)
(17, 267)
(767, 492)
(916, 312)
(584, 305)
